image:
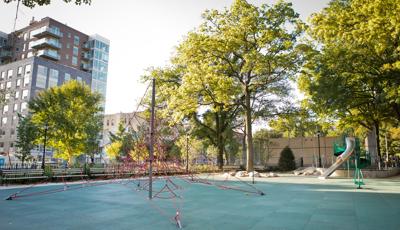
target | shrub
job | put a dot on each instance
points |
(286, 160)
(48, 171)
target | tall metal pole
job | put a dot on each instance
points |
(44, 145)
(153, 99)
(319, 149)
(187, 154)
(16, 16)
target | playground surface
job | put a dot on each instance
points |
(289, 203)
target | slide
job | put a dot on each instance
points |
(350, 143)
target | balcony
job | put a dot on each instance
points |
(45, 31)
(85, 55)
(86, 46)
(5, 54)
(46, 42)
(50, 54)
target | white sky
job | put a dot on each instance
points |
(143, 33)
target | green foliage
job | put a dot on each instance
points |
(71, 113)
(33, 3)
(353, 73)
(27, 133)
(191, 144)
(286, 160)
(48, 171)
(239, 60)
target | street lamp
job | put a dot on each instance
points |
(319, 149)
(46, 127)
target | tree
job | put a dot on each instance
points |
(245, 55)
(33, 3)
(286, 160)
(114, 150)
(27, 133)
(70, 112)
(182, 95)
(353, 73)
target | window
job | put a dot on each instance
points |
(4, 121)
(1, 85)
(69, 35)
(3, 75)
(25, 94)
(68, 45)
(67, 57)
(14, 119)
(22, 56)
(27, 69)
(67, 77)
(75, 51)
(25, 36)
(76, 40)
(74, 61)
(17, 94)
(8, 85)
(12, 132)
(18, 83)
(15, 107)
(26, 80)
(53, 78)
(7, 96)
(41, 76)
(5, 109)
(19, 72)
(10, 73)
(29, 54)
(79, 79)
(23, 106)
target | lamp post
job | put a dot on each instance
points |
(319, 149)
(46, 127)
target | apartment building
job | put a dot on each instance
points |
(44, 54)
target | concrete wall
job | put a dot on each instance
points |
(302, 147)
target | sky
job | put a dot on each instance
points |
(143, 34)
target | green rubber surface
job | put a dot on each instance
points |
(289, 203)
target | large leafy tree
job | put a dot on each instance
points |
(33, 3)
(196, 96)
(244, 55)
(27, 133)
(70, 112)
(353, 74)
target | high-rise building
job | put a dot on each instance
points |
(44, 54)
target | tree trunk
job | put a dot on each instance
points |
(249, 135)
(220, 146)
(378, 146)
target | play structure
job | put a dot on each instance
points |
(351, 154)
(343, 157)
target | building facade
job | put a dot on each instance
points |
(44, 54)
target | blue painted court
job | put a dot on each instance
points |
(289, 203)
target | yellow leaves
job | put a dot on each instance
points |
(113, 150)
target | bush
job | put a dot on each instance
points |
(286, 160)
(48, 171)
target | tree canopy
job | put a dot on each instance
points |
(71, 113)
(27, 133)
(244, 55)
(353, 73)
(33, 3)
